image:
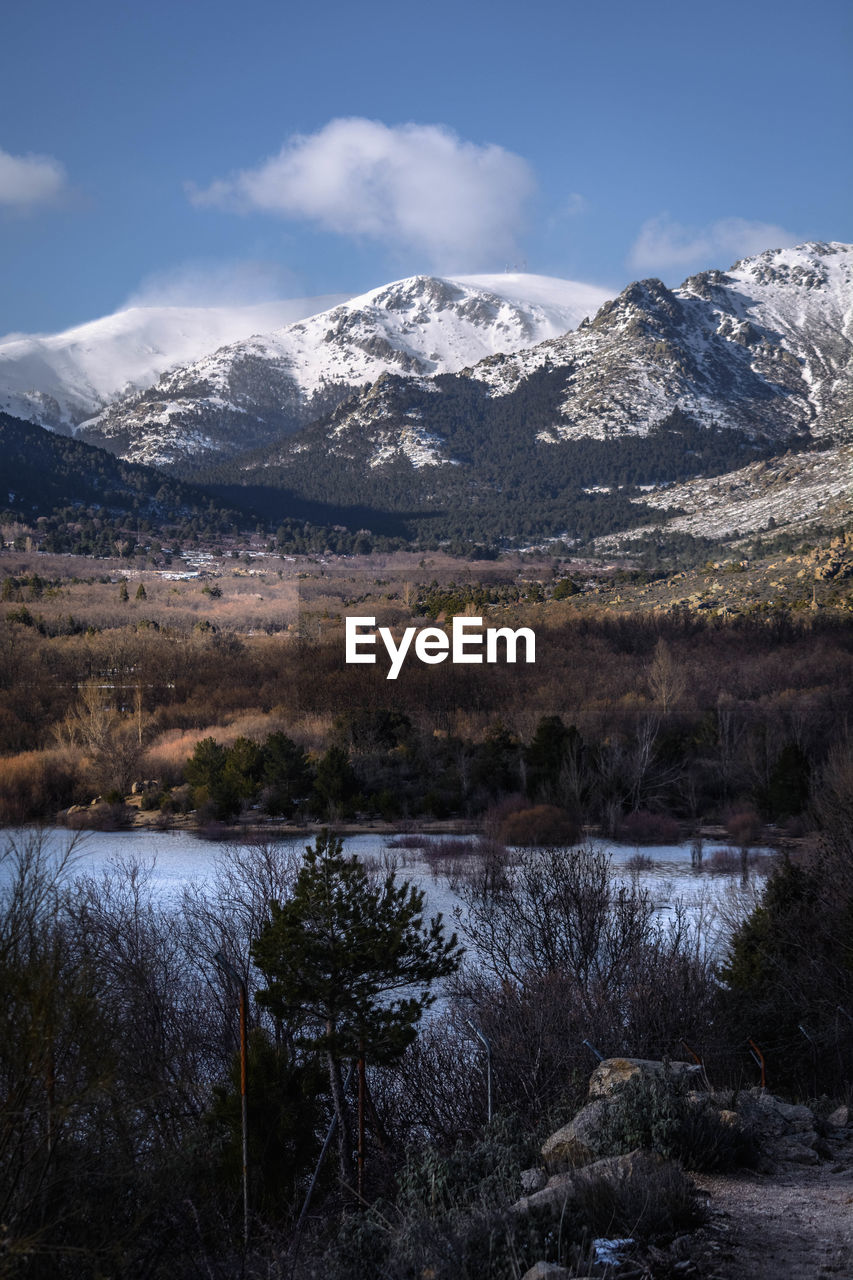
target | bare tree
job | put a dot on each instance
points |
(667, 678)
(112, 742)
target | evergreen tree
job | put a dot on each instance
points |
(287, 773)
(335, 785)
(349, 965)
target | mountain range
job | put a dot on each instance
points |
(514, 406)
(253, 392)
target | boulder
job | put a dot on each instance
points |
(554, 1196)
(785, 1133)
(553, 1271)
(533, 1180)
(792, 1152)
(839, 1117)
(636, 1166)
(548, 1271)
(610, 1074)
(579, 1141)
(796, 1118)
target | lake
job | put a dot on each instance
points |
(174, 858)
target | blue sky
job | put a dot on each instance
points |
(208, 151)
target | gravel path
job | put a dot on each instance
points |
(796, 1224)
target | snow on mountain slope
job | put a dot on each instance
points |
(763, 352)
(59, 379)
(765, 347)
(250, 392)
(794, 490)
(558, 299)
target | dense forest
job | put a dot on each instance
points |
(65, 496)
(506, 484)
(508, 488)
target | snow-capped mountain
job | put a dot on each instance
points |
(470, 409)
(253, 392)
(764, 350)
(58, 380)
(765, 347)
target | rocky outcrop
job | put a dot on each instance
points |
(783, 1133)
(621, 1171)
(778, 1132)
(551, 1271)
(787, 1138)
(580, 1141)
(612, 1073)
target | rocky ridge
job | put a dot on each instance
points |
(756, 361)
(793, 490)
(765, 347)
(247, 394)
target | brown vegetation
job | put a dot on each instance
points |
(672, 714)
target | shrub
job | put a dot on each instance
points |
(744, 826)
(36, 784)
(642, 827)
(640, 862)
(645, 1200)
(406, 842)
(544, 824)
(445, 849)
(729, 861)
(452, 1211)
(489, 1169)
(658, 1113)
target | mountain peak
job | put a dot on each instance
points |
(237, 397)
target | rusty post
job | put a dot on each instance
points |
(694, 1055)
(758, 1057)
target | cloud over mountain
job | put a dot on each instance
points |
(664, 243)
(411, 186)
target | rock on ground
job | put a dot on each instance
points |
(579, 1141)
(613, 1072)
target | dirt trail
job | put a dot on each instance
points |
(795, 1224)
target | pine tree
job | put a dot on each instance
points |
(122, 591)
(349, 965)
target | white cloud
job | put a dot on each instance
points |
(29, 180)
(664, 243)
(411, 186)
(203, 283)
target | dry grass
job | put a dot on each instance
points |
(37, 783)
(168, 753)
